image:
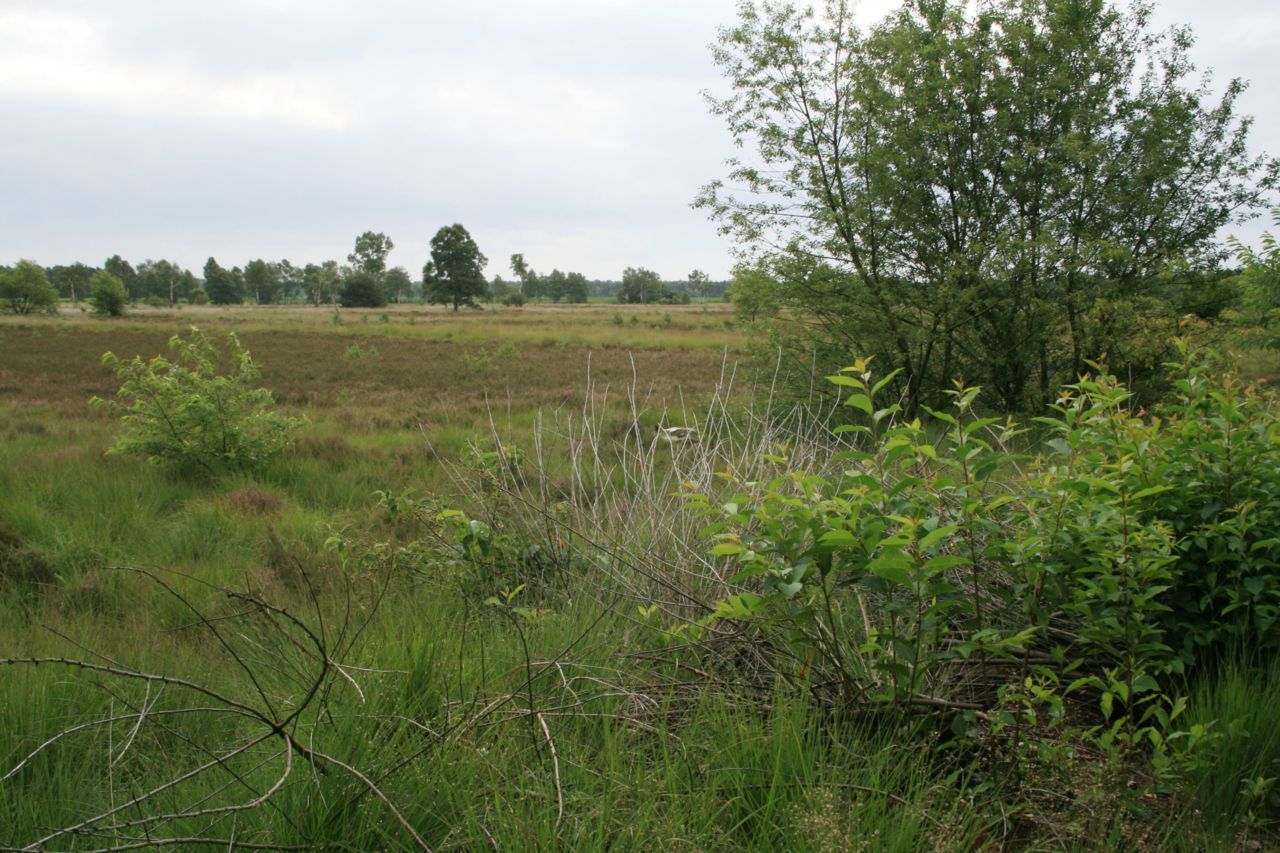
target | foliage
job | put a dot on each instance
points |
(1137, 545)
(222, 286)
(361, 289)
(397, 284)
(262, 278)
(455, 273)
(370, 253)
(1260, 282)
(25, 289)
(107, 295)
(640, 285)
(190, 412)
(965, 190)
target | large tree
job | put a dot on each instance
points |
(222, 285)
(262, 278)
(974, 191)
(370, 252)
(455, 273)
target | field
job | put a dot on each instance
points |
(237, 660)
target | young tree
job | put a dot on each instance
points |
(26, 289)
(397, 284)
(221, 285)
(107, 294)
(455, 273)
(699, 283)
(970, 190)
(531, 286)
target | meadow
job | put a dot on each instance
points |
(440, 620)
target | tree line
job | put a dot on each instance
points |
(454, 276)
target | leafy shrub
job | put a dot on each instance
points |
(107, 294)
(25, 289)
(199, 297)
(189, 412)
(513, 299)
(940, 570)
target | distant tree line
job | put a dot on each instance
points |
(454, 276)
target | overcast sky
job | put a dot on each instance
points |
(573, 131)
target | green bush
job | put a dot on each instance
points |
(941, 570)
(25, 289)
(189, 412)
(107, 294)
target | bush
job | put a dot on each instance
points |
(936, 569)
(107, 294)
(513, 299)
(25, 289)
(362, 290)
(199, 297)
(187, 412)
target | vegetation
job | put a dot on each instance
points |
(191, 413)
(107, 294)
(25, 289)
(990, 192)
(455, 274)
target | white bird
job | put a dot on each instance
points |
(676, 435)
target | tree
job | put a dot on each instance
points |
(531, 285)
(554, 285)
(1259, 283)
(370, 253)
(263, 280)
(455, 273)
(107, 294)
(640, 285)
(362, 289)
(699, 283)
(397, 284)
(164, 279)
(970, 190)
(575, 287)
(72, 280)
(26, 289)
(123, 270)
(221, 285)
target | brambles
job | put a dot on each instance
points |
(187, 411)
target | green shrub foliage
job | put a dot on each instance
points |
(189, 411)
(938, 569)
(107, 294)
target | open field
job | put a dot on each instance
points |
(527, 697)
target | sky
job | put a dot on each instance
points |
(572, 131)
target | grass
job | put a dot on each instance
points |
(558, 719)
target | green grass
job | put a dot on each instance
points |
(574, 727)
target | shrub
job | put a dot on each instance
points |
(107, 294)
(187, 411)
(939, 570)
(199, 297)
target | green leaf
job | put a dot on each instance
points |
(861, 402)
